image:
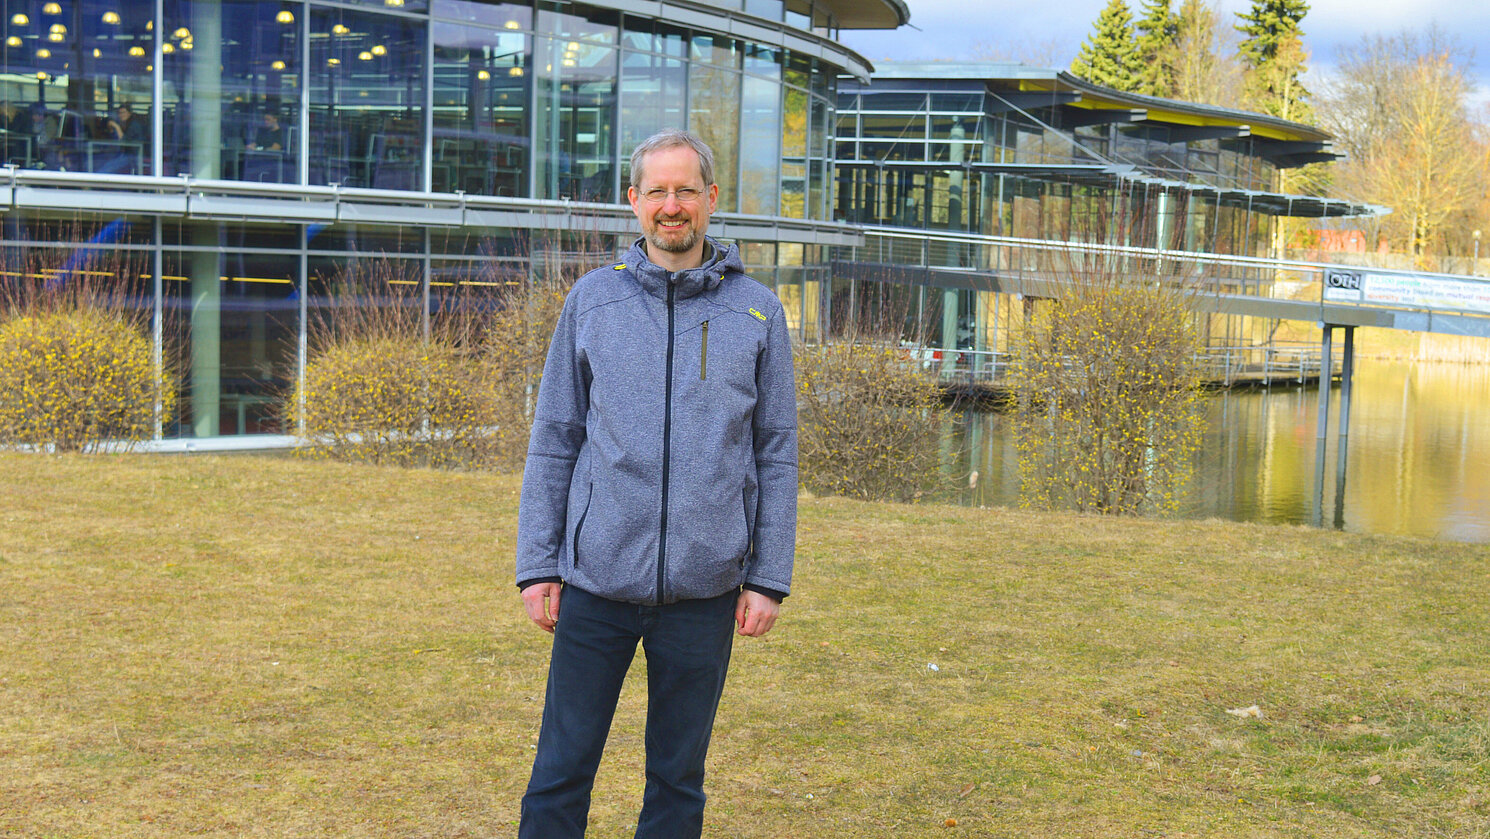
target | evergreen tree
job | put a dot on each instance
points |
(1109, 55)
(1274, 56)
(1155, 38)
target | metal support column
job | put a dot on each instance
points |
(1342, 440)
(1321, 439)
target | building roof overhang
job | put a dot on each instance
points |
(1114, 175)
(869, 14)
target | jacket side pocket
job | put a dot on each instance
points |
(580, 525)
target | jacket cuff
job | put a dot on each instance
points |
(522, 584)
(772, 593)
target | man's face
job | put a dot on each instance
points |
(671, 225)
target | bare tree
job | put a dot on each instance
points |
(1398, 107)
(1203, 69)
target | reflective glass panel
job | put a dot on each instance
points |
(714, 115)
(232, 90)
(760, 138)
(75, 89)
(480, 142)
(366, 100)
(575, 112)
(653, 96)
(234, 317)
(794, 153)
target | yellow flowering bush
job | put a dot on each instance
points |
(1107, 379)
(397, 399)
(75, 377)
(870, 423)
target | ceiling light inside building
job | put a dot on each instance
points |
(19, 19)
(333, 61)
(483, 75)
(364, 56)
(277, 65)
(13, 41)
(393, 3)
(167, 48)
(515, 71)
(512, 24)
(136, 51)
(285, 16)
(379, 49)
(56, 37)
(43, 53)
(186, 44)
(569, 62)
(51, 9)
(97, 53)
(339, 29)
(58, 29)
(111, 18)
(42, 76)
(183, 32)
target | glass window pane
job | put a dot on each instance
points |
(653, 96)
(480, 142)
(366, 100)
(511, 17)
(794, 153)
(763, 61)
(77, 92)
(714, 115)
(575, 112)
(768, 9)
(232, 90)
(235, 318)
(821, 163)
(760, 136)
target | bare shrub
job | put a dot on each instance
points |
(1107, 377)
(78, 369)
(385, 383)
(378, 389)
(870, 422)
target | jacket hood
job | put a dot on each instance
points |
(718, 261)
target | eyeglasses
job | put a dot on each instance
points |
(686, 195)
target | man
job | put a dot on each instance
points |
(271, 135)
(659, 497)
(127, 127)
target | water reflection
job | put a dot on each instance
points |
(1418, 459)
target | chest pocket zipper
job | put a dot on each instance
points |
(703, 356)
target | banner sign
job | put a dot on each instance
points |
(1406, 291)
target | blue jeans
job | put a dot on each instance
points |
(687, 645)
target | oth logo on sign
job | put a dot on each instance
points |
(1346, 280)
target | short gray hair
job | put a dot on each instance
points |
(669, 138)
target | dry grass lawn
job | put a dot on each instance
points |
(260, 646)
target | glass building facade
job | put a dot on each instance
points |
(229, 161)
(984, 157)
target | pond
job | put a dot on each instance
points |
(1417, 455)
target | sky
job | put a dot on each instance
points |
(1052, 32)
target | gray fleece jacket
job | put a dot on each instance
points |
(663, 460)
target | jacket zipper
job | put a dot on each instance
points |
(703, 357)
(667, 431)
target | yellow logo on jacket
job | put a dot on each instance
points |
(757, 314)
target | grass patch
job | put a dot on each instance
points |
(270, 647)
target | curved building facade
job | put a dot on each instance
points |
(236, 156)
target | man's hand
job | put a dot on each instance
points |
(542, 602)
(755, 613)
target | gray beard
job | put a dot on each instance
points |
(683, 245)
